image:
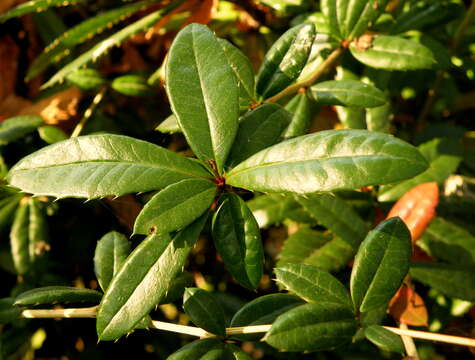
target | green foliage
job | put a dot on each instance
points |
(384, 339)
(347, 93)
(57, 294)
(16, 127)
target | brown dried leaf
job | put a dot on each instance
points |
(202, 12)
(408, 307)
(125, 208)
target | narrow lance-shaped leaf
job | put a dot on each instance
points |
(347, 93)
(51, 134)
(100, 165)
(263, 310)
(204, 311)
(203, 93)
(237, 238)
(329, 10)
(169, 125)
(16, 127)
(57, 294)
(392, 53)
(350, 117)
(270, 209)
(143, 280)
(328, 160)
(175, 207)
(8, 208)
(62, 45)
(384, 339)
(37, 229)
(380, 265)
(114, 40)
(236, 353)
(313, 284)
(312, 327)
(19, 240)
(302, 109)
(111, 251)
(361, 15)
(259, 129)
(86, 79)
(285, 60)
(8, 312)
(36, 5)
(132, 85)
(200, 349)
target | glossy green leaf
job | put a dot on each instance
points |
(132, 85)
(8, 208)
(51, 134)
(19, 241)
(197, 76)
(8, 312)
(350, 117)
(204, 311)
(143, 280)
(100, 165)
(114, 40)
(49, 25)
(285, 60)
(78, 34)
(379, 118)
(380, 265)
(199, 350)
(175, 207)
(57, 294)
(330, 13)
(328, 160)
(444, 156)
(359, 16)
(36, 5)
(177, 287)
(111, 251)
(169, 125)
(270, 209)
(236, 353)
(336, 215)
(449, 242)
(263, 310)
(302, 109)
(322, 46)
(16, 127)
(384, 339)
(347, 93)
(454, 280)
(312, 327)
(237, 238)
(394, 53)
(312, 284)
(242, 68)
(37, 229)
(86, 79)
(259, 129)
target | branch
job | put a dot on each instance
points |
(324, 66)
(255, 329)
(88, 113)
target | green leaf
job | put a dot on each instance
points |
(35, 5)
(175, 207)
(169, 125)
(57, 294)
(236, 353)
(19, 241)
(203, 93)
(111, 251)
(51, 134)
(302, 108)
(380, 265)
(177, 287)
(271, 209)
(101, 165)
(347, 93)
(384, 339)
(359, 16)
(198, 350)
(242, 68)
(312, 284)
(444, 156)
(394, 53)
(263, 310)
(285, 60)
(78, 34)
(330, 11)
(259, 129)
(449, 242)
(132, 85)
(237, 238)
(204, 311)
(8, 208)
(16, 127)
(379, 118)
(8, 312)
(143, 280)
(312, 327)
(87, 79)
(336, 215)
(454, 280)
(327, 161)
(37, 229)
(114, 40)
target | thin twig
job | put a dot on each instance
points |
(424, 335)
(324, 66)
(88, 113)
(408, 342)
(89, 312)
(180, 329)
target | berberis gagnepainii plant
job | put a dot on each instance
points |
(246, 144)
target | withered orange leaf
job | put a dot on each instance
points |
(408, 307)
